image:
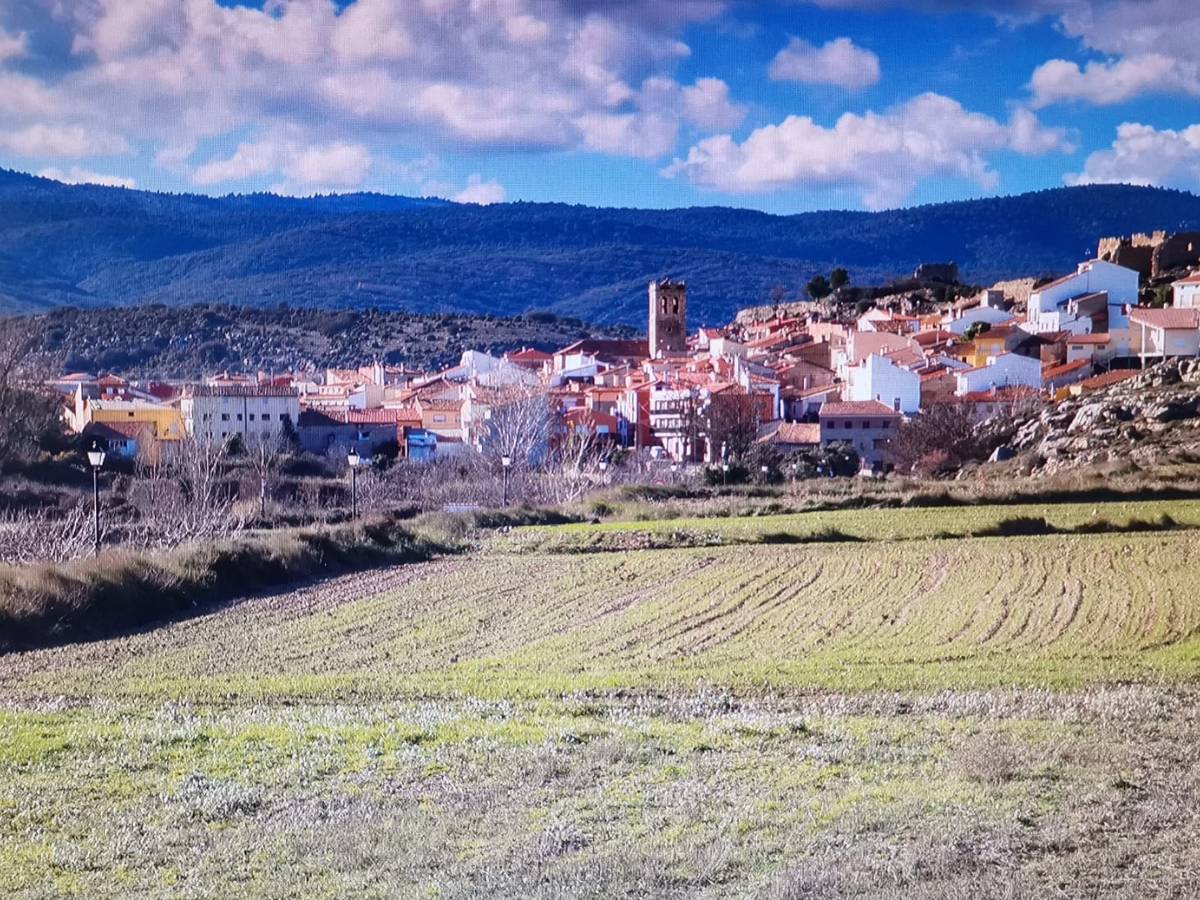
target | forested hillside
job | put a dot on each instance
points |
(87, 245)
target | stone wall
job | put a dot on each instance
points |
(1154, 254)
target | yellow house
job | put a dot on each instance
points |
(166, 422)
(988, 345)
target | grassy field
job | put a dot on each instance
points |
(904, 716)
(861, 524)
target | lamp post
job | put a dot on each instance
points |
(505, 465)
(354, 461)
(724, 465)
(604, 471)
(674, 472)
(96, 459)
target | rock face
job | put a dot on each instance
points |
(1153, 417)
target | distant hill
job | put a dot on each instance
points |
(86, 245)
(192, 341)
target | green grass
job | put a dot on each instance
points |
(698, 795)
(1057, 611)
(865, 524)
(903, 716)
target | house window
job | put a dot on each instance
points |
(251, 417)
(439, 419)
(239, 415)
(224, 418)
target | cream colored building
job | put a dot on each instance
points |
(249, 411)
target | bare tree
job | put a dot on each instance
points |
(578, 457)
(733, 422)
(941, 439)
(208, 510)
(519, 426)
(27, 537)
(264, 452)
(27, 411)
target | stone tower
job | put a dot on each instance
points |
(668, 318)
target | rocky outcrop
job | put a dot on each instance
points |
(1153, 417)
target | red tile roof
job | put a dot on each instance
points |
(798, 433)
(1108, 379)
(1065, 368)
(857, 408)
(1171, 319)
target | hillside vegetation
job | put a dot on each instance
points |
(87, 245)
(189, 341)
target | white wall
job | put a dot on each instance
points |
(1091, 277)
(1187, 296)
(1005, 370)
(878, 378)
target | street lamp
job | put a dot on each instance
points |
(96, 459)
(724, 474)
(505, 465)
(354, 460)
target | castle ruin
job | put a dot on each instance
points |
(668, 318)
(1153, 255)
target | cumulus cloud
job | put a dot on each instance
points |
(1142, 154)
(507, 74)
(840, 62)
(61, 142)
(76, 175)
(481, 192)
(884, 156)
(1106, 83)
(707, 105)
(311, 169)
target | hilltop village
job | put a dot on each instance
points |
(790, 377)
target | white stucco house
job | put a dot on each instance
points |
(1167, 333)
(1187, 292)
(881, 379)
(1067, 303)
(1004, 370)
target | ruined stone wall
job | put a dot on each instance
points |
(1179, 251)
(1153, 254)
(1017, 290)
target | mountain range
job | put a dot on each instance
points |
(88, 245)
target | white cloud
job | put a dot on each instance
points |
(306, 168)
(481, 192)
(840, 62)
(40, 141)
(12, 46)
(1106, 83)
(76, 175)
(1142, 154)
(882, 156)
(707, 105)
(507, 74)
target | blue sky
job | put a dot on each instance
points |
(784, 106)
